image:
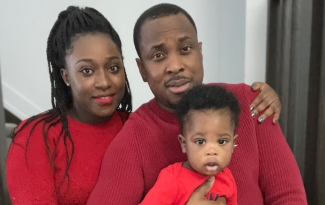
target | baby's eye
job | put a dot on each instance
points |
(200, 141)
(222, 142)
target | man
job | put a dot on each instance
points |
(170, 60)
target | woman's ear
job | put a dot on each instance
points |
(65, 76)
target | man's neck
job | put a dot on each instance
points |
(166, 108)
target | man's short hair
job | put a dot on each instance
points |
(157, 11)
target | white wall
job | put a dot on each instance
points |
(255, 40)
(233, 33)
(231, 40)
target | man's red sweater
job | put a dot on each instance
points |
(263, 165)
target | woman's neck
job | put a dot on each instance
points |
(87, 118)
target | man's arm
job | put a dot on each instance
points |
(121, 179)
(280, 179)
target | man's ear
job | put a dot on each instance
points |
(65, 76)
(142, 70)
(181, 140)
(235, 143)
(200, 45)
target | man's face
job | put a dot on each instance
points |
(208, 140)
(171, 58)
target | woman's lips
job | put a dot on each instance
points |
(104, 100)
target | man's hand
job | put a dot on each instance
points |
(198, 196)
(269, 99)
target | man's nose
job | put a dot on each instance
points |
(175, 63)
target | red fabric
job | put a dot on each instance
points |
(263, 165)
(175, 184)
(30, 178)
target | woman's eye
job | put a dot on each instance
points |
(113, 68)
(186, 48)
(86, 71)
(222, 142)
(200, 141)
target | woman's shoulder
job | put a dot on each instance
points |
(38, 124)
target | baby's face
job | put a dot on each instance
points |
(208, 140)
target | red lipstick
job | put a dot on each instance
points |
(104, 100)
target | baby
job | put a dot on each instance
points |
(208, 116)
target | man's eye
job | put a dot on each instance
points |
(200, 141)
(222, 142)
(86, 71)
(158, 55)
(186, 48)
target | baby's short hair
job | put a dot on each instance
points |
(207, 97)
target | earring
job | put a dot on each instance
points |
(68, 84)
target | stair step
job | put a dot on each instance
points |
(9, 128)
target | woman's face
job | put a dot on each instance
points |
(95, 72)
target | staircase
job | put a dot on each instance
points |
(5, 129)
(9, 129)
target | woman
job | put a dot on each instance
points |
(56, 155)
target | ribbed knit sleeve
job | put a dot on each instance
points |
(121, 178)
(279, 176)
(30, 181)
